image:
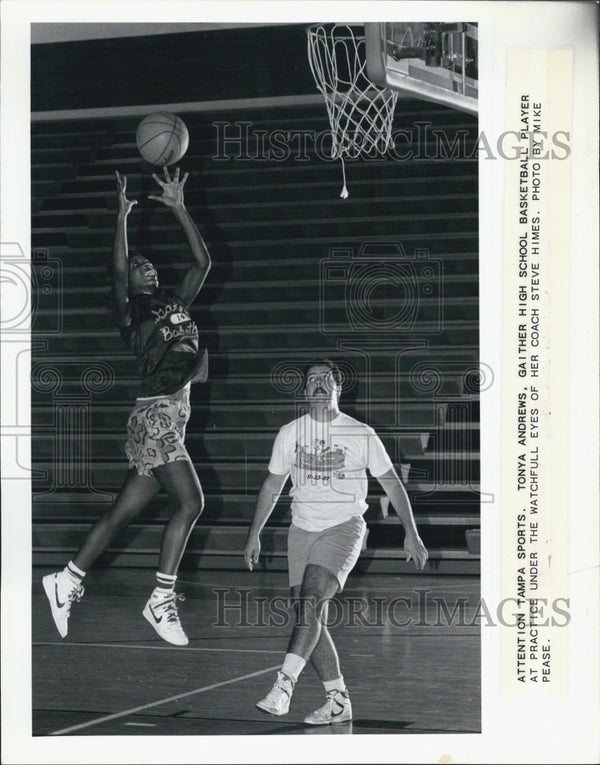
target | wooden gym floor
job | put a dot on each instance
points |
(112, 675)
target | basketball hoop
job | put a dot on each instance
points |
(360, 113)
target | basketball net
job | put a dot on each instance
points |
(360, 113)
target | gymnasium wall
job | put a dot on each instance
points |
(194, 66)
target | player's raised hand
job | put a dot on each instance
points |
(172, 189)
(252, 552)
(415, 550)
(125, 204)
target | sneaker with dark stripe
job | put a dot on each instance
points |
(277, 700)
(162, 614)
(336, 709)
(61, 592)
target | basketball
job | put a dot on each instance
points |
(162, 138)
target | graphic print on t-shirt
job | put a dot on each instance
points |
(164, 339)
(327, 463)
(322, 461)
(174, 314)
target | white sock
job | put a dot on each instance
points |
(335, 685)
(165, 584)
(74, 572)
(293, 665)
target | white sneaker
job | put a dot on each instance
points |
(61, 591)
(277, 700)
(162, 614)
(336, 709)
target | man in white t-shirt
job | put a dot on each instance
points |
(326, 453)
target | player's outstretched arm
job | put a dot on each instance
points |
(172, 196)
(267, 498)
(413, 546)
(121, 254)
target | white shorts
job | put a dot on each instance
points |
(336, 549)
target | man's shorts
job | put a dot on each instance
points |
(156, 431)
(336, 549)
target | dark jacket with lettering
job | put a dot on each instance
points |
(165, 342)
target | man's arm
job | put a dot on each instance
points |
(172, 196)
(413, 546)
(267, 498)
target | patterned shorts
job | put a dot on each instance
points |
(156, 431)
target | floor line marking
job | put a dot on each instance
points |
(158, 703)
(154, 647)
(373, 589)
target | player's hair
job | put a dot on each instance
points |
(335, 370)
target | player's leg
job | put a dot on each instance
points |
(180, 481)
(66, 586)
(136, 493)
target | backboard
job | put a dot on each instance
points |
(433, 61)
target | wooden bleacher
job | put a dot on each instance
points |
(269, 225)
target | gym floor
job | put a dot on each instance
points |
(409, 648)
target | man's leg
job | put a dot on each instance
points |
(319, 585)
(335, 550)
(338, 551)
(324, 657)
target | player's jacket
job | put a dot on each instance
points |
(165, 342)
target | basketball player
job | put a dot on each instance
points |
(326, 452)
(157, 327)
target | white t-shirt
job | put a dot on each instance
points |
(327, 462)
